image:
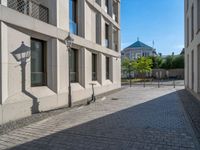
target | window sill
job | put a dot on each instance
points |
(76, 87)
(38, 92)
(108, 82)
(97, 84)
(41, 91)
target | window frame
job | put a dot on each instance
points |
(44, 56)
(73, 16)
(107, 34)
(107, 68)
(187, 32)
(198, 16)
(76, 62)
(192, 23)
(94, 66)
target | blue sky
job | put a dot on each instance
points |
(158, 20)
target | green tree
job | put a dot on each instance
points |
(128, 66)
(143, 66)
(156, 61)
(173, 62)
(178, 62)
(167, 63)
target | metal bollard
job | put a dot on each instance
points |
(174, 84)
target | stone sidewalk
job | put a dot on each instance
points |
(132, 119)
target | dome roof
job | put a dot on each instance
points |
(139, 44)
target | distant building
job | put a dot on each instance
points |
(138, 49)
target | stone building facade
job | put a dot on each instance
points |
(38, 28)
(192, 46)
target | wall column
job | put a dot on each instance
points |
(3, 63)
(110, 37)
(81, 18)
(101, 68)
(85, 70)
(52, 65)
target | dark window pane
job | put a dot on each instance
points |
(106, 35)
(198, 14)
(192, 23)
(107, 68)
(38, 63)
(94, 67)
(74, 65)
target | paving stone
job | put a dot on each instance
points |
(141, 119)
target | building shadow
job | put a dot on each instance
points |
(150, 124)
(22, 54)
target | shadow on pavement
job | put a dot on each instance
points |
(156, 124)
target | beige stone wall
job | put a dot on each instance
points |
(16, 28)
(190, 83)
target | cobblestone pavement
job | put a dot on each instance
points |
(132, 119)
(192, 106)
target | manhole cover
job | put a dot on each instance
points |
(115, 99)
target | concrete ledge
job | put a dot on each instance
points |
(12, 125)
(99, 96)
(22, 109)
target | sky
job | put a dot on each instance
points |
(161, 21)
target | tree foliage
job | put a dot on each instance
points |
(173, 62)
(178, 62)
(128, 66)
(157, 61)
(144, 64)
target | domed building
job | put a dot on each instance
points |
(138, 49)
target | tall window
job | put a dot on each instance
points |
(198, 65)
(106, 5)
(38, 62)
(192, 22)
(198, 14)
(192, 63)
(187, 5)
(106, 35)
(187, 33)
(98, 28)
(94, 67)
(188, 71)
(74, 65)
(107, 68)
(73, 16)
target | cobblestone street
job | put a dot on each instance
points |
(132, 119)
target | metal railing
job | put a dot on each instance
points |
(31, 8)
